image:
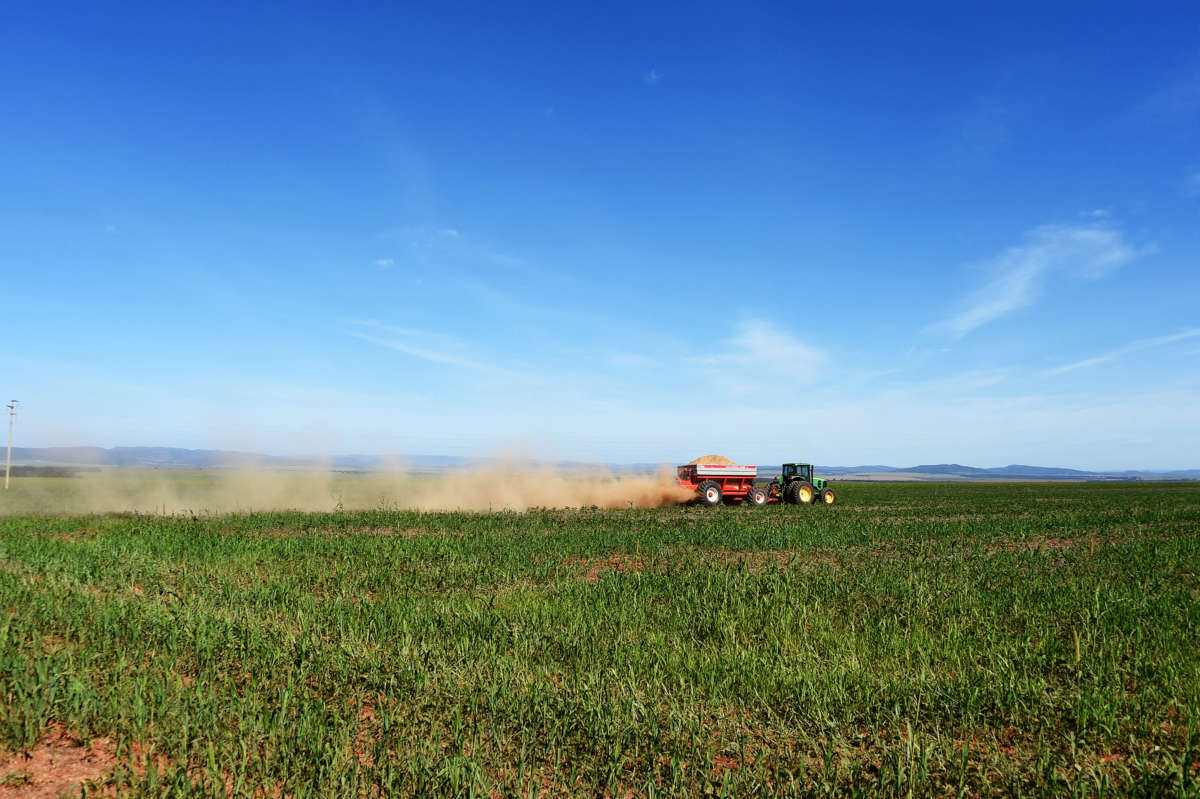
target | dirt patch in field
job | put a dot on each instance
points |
(379, 532)
(622, 564)
(863, 508)
(58, 766)
(757, 560)
(362, 749)
(1040, 544)
(723, 763)
(592, 569)
(73, 534)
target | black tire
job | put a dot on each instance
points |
(757, 496)
(801, 493)
(710, 493)
(828, 497)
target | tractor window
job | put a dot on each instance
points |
(806, 472)
(789, 469)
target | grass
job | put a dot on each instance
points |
(915, 639)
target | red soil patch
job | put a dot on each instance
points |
(59, 765)
(74, 534)
(1051, 543)
(307, 532)
(722, 763)
(1044, 544)
(622, 564)
(757, 560)
(361, 750)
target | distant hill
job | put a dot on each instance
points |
(1027, 470)
(947, 468)
(955, 471)
(177, 458)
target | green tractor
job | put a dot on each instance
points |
(797, 486)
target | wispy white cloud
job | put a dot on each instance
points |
(630, 361)
(445, 244)
(652, 77)
(1133, 346)
(1191, 185)
(984, 128)
(1176, 97)
(759, 350)
(438, 348)
(383, 263)
(1081, 251)
(963, 382)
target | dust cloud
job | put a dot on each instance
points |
(492, 486)
(499, 488)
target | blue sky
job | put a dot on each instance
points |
(847, 235)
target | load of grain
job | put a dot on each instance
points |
(718, 459)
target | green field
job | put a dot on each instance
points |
(914, 639)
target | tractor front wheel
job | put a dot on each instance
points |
(710, 493)
(828, 497)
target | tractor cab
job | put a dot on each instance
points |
(797, 471)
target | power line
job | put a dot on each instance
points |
(12, 411)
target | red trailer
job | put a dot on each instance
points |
(715, 483)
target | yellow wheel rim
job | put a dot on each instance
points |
(805, 494)
(829, 499)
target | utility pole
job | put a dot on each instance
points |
(12, 411)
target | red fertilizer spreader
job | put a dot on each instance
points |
(715, 483)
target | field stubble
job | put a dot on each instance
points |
(913, 640)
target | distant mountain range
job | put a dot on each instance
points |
(955, 471)
(176, 458)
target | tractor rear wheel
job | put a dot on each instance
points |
(801, 493)
(710, 493)
(757, 496)
(828, 497)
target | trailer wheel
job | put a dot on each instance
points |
(828, 497)
(758, 496)
(710, 493)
